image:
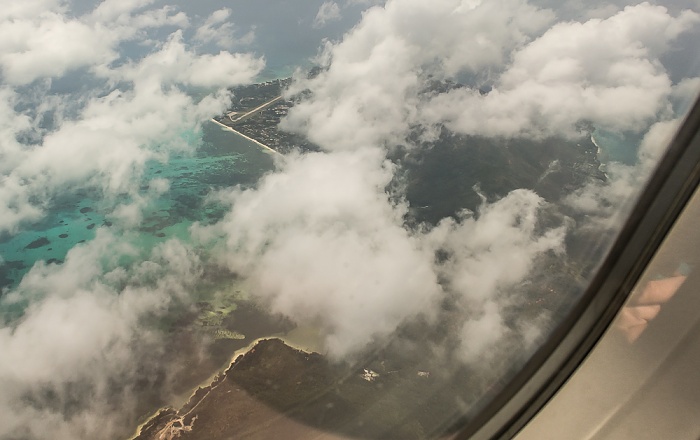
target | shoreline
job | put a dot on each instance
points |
(182, 399)
(602, 165)
(213, 378)
(226, 127)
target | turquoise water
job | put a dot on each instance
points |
(616, 147)
(284, 35)
(222, 160)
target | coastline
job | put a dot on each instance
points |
(298, 345)
(244, 136)
(296, 341)
(599, 156)
(212, 380)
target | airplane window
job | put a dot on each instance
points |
(637, 380)
(328, 219)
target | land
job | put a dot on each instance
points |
(393, 390)
(276, 391)
(256, 113)
(234, 398)
(441, 175)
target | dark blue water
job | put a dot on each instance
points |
(222, 159)
(284, 31)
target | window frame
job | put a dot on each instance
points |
(665, 195)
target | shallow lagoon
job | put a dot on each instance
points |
(222, 160)
(616, 147)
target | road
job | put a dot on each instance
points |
(224, 126)
(258, 109)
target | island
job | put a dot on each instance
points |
(391, 391)
(256, 113)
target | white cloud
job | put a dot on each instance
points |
(217, 29)
(368, 95)
(496, 249)
(50, 43)
(81, 334)
(480, 336)
(175, 64)
(364, 2)
(50, 46)
(607, 203)
(547, 82)
(31, 8)
(110, 134)
(11, 123)
(488, 256)
(106, 148)
(321, 242)
(327, 12)
(322, 239)
(605, 72)
(115, 10)
(106, 142)
(684, 94)
(129, 17)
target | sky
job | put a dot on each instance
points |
(90, 92)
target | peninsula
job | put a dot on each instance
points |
(255, 114)
(392, 390)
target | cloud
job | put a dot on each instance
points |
(50, 47)
(324, 238)
(549, 80)
(320, 241)
(129, 17)
(369, 93)
(175, 64)
(327, 12)
(15, 203)
(684, 95)
(607, 203)
(87, 322)
(488, 255)
(31, 8)
(496, 248)
(109, 134)
(216, 29)
(364, 2)
(75, 363)
(106, 148)
(79, 340)
(581, 10)
(603, 71)
(50, 43)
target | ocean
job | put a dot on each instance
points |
(224, 159)
(283, 33)
(616, 146)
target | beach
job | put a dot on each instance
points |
(194, 396)
(244, 136)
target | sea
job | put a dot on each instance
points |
(223, 159)
(620, 147)
(283, 33)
